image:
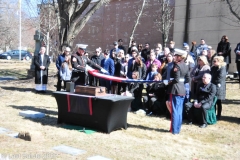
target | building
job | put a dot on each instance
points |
(116, 20)
(205, 19)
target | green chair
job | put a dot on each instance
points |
(211, 113)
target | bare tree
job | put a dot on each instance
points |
(72, 17)
(139, 14)
(165, 19)
(234, 10)
(232, 17)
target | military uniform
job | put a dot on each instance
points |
(179, 74)
(79, 66)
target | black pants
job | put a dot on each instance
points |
(203, 109)
(78, 78)
(227, 68)
(218, 108)
(238, 69)
(59, 82)
(64, 84)
(122, 86)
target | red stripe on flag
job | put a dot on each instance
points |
(68, 101)
(90, 105)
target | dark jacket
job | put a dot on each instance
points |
(158, 89)
(237, 55)
(135, 90)
(145, 54)
(225, 48)
(81, 62)
(179, 73)
(142, 70)
(205, 94)
(97, 59)
(59, 61)
(218, 78)
(38, 62)
(108, 65)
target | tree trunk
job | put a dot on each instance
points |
(137, 21)
(72, 20)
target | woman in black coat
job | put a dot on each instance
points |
(218, 72)
(224, 49)
(141, 68)
(155, 98)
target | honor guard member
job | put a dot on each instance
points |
(79, 64)
(179, 73)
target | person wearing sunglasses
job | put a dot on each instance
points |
(224, 49)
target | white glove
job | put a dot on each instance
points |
(219, 85)
(122, 73)
(87, 68)
(165, 82)
(104, 71)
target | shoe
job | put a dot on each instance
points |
(149, 114)
(203, 125)
(189, 123)
(218, 118)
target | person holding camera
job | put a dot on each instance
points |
(204, 99)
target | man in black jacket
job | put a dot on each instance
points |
(97, 58)
(205, 95)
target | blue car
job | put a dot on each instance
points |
(14, 54)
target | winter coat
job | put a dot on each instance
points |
(142, 70)
(65, 72)
(41, 74)
(218, 78)
(225, 48)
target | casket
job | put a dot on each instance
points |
(92, 91)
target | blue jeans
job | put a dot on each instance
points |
(177, 109)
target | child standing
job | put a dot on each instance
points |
(151, 74)
(66, 70)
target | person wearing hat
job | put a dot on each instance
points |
(79, 64)
(176, 89)
(120, 45)
(59, 61)
(115, 49)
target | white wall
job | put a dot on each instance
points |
(205, 22)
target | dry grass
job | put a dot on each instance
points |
(145, 138)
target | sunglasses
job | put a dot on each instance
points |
(214, 61)
(126, 57)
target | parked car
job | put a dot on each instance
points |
(14, 54)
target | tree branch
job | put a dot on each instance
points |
(232, 11)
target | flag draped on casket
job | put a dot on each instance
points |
(116, 79)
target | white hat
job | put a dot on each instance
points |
(82, 46)
(67, 49)
(179, 52)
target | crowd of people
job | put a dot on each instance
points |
(193, 74)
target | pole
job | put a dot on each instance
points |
(20, 29)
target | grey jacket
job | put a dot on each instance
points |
(218, 78)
